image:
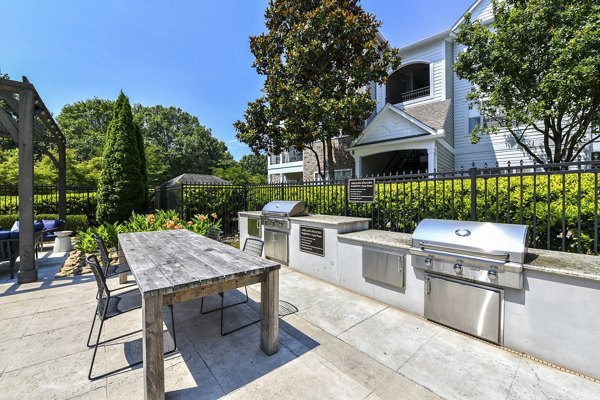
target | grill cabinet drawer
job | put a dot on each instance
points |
(383, 266)
(471, 308)
(254, 227)
(276, 245)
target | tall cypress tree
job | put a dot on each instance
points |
(143, 165)
(121, 185)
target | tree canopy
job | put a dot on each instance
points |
(318, 56)
(174, 140)
(121, 188)
(536, 70)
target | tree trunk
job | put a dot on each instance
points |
(330, 164)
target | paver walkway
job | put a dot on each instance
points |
(338, 345)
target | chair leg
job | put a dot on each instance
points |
(202, 312)
(174, 334)
(95, 351)
(91, 329)
(223, 333)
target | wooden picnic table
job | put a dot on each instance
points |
(178, 265)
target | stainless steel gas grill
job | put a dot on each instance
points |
(468, 265)
(275, 219)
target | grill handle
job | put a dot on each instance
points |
(484, 255)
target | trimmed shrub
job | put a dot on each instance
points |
(75, 223)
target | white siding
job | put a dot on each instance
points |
(445, 159)
(484, 11)
(431, 53)
(390, 127)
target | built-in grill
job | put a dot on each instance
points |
(275, 219)
(468, 265)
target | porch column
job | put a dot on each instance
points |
(357, 166)
(27, 271)
(431, 157)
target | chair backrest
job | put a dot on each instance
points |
(103, 254)
(253, 246)
(213, 233)
(103, 292)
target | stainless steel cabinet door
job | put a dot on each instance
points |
(254, 227)
(470, 308)
(276, 245)
(384, 266)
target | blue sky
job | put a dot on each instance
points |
(189, 54)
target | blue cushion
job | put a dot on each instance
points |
(49, 223)
(38, 226)
(4, 234)
(14, 234)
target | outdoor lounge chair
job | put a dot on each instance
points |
(9, 244)
(213, 233)
(110, 306)
(252, 246)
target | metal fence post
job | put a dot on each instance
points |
(473, 175)
(282, 190)
(346, 197)
(181, 204)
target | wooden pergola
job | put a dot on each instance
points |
(29, 123)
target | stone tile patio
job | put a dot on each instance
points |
(338, 345)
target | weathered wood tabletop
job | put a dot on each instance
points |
(178, 265)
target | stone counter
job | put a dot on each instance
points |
(333, 220)
(553, 262)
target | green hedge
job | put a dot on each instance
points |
(399, 206)
(77, 204)
(74, 223)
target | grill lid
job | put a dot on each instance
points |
(285, 208)
(495, 241)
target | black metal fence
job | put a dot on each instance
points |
(81, 200)
(558, 201)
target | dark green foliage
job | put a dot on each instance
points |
(121, 187)
(317, 58)
(139, 138)
(74, 223)
(536, 69)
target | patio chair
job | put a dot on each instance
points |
(107, 269)
(110, 306)
(252, 246)
(213, 233)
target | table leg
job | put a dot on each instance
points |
(154, 366)
(269, 313)
(122, 260)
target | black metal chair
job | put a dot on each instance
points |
(214, 233)
(110, 306)
(107, 269)
(252, 246)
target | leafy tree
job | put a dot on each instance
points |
(120, 188)
(255, 164)
(84, 124)
(237, 174)
(536, 70)
(139, 140)
(318, 56)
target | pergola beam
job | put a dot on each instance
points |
(24, 130)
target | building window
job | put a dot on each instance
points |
(408, 83)
(339, 174)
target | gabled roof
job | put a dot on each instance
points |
(433, 115)
(405, 116)
(194, 178)
(462, 18)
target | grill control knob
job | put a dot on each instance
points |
(492, 274)
(428, 261)
(458, 268)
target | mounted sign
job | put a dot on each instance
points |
(312, 240)
(361, 190)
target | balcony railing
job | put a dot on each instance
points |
(410, 95)
(287, 157)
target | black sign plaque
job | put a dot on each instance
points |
(361, 190)
(312, 240)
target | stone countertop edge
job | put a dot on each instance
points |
(250, 213)
(554, 262)
(329, 219)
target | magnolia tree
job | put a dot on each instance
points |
(317, 56)
(536, 69)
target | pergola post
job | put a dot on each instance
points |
(62, 182)
(27, 271)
